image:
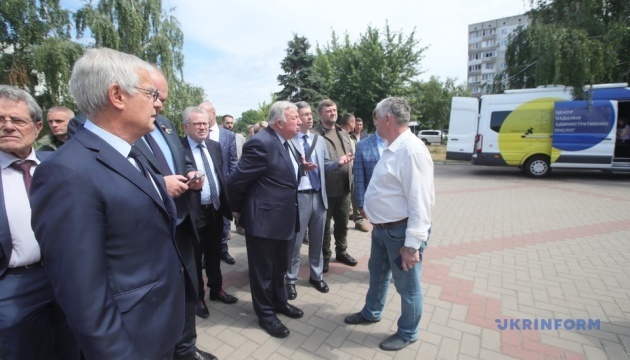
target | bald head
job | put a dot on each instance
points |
(212, 113)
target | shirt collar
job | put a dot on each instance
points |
(402, 138)
(114, 141)
(7, 159)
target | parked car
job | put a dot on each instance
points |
(431, 136)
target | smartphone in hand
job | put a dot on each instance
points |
(198, 175)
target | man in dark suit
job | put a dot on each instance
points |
(229, 155)
(263, 193)
(105, 221)
(164, 153)
(368, 153)
(32, 326)
(207, 156)
(358, 133)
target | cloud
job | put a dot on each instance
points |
(233, 49)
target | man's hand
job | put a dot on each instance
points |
(345, 159)
(307, 166)
(409, 260)
(236, 215)
(175, 185)
(196, 184)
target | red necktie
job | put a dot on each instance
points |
(25, 168)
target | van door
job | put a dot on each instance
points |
(462, 128)
(584, 134)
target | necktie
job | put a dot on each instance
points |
(313, 175)
(25, 168)
(137, 156)
(214, 195)
(159, 155)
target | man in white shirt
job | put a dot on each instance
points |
(28, 312)
(398, 202)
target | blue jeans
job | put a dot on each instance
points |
(386, 244)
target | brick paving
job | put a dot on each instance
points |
(502, 247)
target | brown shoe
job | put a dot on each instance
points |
(361, 227)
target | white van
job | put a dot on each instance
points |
(540, 129)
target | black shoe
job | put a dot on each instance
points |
(275, 328)
(347, 259)
(326, 265)
(291, 292)
(228, 258)
(197, 355)
(320, 285)
(357, 318)
(202, 310)
(224, 297)
(290, 311)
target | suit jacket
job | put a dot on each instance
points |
(215, 154)
(364, 162)
(324, 164)
(338, 183)
(364, 136)
(263, 188)
(227, 139)
(6, 243)
(108, 241)
(75, 123)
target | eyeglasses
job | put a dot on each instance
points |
(200, 124)
(153, 92)
(17, 122)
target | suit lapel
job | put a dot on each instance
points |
(172, 141)
(6, 244)
(374, 147)
(117, 162)
(283, 152)
(147, 153)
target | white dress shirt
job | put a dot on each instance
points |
(25, 247)
(206, 195)
(402, 187)
(213, 132)
(305, 182)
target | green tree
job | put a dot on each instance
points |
(431, 101)
(300, 81)
(142, 28)
(36, 50)
(380, 64)
(253, 116)
(573, 43)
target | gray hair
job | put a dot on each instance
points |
(12, 93)
(277, 111)
(192, 109)
(96, 70)
(60, 108)
(302, 105)
(397, 107)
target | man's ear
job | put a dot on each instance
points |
(116, 96)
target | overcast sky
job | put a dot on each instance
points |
(233, 48)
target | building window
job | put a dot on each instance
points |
(489, 66)
(504, 31)
(490, 54)
(503, 66)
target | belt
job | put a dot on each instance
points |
(309, 191)
(390, 225)
(26, 268)
(208, 207)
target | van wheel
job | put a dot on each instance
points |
(537, 166)
(425, 141)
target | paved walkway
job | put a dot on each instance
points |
(503, 247)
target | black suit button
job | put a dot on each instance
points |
(181, 270)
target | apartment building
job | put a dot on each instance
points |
(487, 43)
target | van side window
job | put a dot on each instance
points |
(497, 118)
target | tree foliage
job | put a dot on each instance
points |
(253, 116)
(431, 101)
(300, 81)
(36, 50)
(574, 43)
(358, 75)
(142, 28)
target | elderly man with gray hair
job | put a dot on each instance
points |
(263, 194)
(398, 202)
(105, 221)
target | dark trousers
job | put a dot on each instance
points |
(210, 230)
(188, 248)
(32, 326)
(338, 208)
(268, 261)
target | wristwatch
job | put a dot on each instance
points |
(412, 250)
